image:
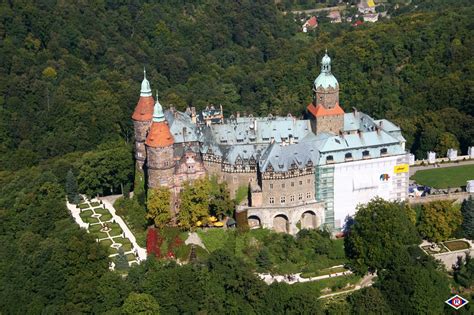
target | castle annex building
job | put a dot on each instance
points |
(301, 173)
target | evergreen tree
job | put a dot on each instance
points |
(71, 188)
(467, 211)
(121, 262)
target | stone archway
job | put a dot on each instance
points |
(254, 222)
(309, 220)
(281, 223)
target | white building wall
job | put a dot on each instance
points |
(359, 181)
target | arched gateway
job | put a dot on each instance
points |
(309, 220)
(281, 223)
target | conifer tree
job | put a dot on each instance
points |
(71, 188)
(121, 262)
(467, 211)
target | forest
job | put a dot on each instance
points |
(69, 80)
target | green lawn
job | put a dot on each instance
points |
(334, 284)
(455, 176)
(101, 210)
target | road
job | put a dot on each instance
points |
(338, 8)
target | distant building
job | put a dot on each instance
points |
(335, 16)
(310, 24)
(357, 23)
(371, 17)
(366, 6)
(300, 173)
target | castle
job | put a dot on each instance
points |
(300, 173)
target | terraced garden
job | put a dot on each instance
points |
(106, 231)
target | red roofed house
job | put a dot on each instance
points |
(310, 24)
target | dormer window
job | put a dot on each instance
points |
(329, 159)
(348, 156)
(383, 151)
(365, 154)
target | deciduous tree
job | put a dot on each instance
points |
(439, 220)
(159, 206)
(381, 229)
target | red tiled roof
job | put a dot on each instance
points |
(319, 110)
(312, 21)
(144, 109)
(357, 23)
(159, 135)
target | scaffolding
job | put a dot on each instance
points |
(324, 187)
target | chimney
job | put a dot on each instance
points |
(355, 111)
(380, 124)
(184, 134)
(193, 114)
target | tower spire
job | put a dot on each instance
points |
(146, 89)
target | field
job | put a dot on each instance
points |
(455, 176)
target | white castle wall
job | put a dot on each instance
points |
(360, 181)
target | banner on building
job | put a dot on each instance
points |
(402, 168)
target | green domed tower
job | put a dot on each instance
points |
(327, 115)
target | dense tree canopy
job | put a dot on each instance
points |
(439, 220)
(381, 230)
(70, 73)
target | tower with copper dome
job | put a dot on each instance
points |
(327, 116)
(142, 120)
(159, 150)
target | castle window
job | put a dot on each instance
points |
(166, 163)
(292, 198)
(272, 200)
(283, 185)
(271, 186)
(383, 151)
(348, 156)
(300, 196)
(282, 199)
(329, 159)
(308, 195)
(308, 181)
(301, 182)
(365, 154)
(292, 184)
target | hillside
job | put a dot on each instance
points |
(70, 74)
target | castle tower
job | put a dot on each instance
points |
(159, 151)
(142, 117)
(325, 112)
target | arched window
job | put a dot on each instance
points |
(348, 156)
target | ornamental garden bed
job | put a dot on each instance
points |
(101, 211)
(131, 257)
(457, 245)
(84, 205)
(106, 243)
(95, 204)
(115, 231)
(442, 249)
(106, 217)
